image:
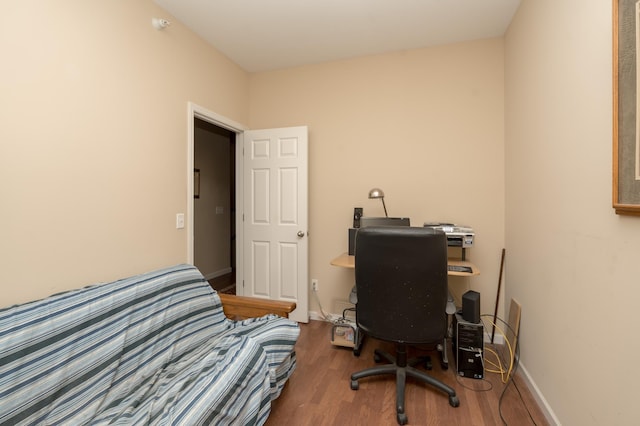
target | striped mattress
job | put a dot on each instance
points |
(150, 349)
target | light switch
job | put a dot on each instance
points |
(179, 220)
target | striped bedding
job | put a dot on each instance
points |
(150, 349)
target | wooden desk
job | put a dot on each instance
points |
(348, 261)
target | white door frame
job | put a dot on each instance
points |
(196, 111)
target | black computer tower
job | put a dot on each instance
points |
(468, 347)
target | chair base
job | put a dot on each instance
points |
(401, 368)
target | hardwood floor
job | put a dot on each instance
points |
(319, 392)
(225, 283)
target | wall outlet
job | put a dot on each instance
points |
(314, 284)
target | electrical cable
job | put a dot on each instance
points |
(517, 363)
(513, 367)
(500, 370)
(461, 383)
(328, 317)
(344, 313)
(511, 357)
(322, 312)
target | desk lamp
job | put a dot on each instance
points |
(379, 193)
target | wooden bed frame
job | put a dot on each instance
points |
(241, 307)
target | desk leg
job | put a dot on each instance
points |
(451, 310)
(357, 341)
(444, 358)
(443, 348)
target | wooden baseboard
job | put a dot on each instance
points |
(216, 274)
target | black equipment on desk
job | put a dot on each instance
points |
(384, 221)
(357, 214)
(468, 347)
(365, 221)
(460, 268)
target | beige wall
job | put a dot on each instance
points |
(93, 139)
(571, 262)
(426, 126)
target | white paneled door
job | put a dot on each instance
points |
(275, 241)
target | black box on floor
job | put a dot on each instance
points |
(468, 347)
(471, 306)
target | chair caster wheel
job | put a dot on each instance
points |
(453, 400)
(402, 419)
(377, 358)
(444, 365)
(427, 364)
(354, 385)
(356, 352)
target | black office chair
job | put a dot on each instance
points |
(401, 280)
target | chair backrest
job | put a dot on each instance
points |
(401, 282)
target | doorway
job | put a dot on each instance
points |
(291, 282)
(194, 112)
(214, 204)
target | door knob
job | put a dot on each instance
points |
(300, 234)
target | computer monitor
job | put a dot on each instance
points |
(384, 221)
(374, 221)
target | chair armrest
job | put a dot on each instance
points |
(240, 307)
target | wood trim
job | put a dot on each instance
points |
(620, 208)
(241, 307)
(615, 104)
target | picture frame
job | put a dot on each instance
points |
(626, 108)
(196, 183)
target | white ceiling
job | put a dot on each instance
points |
(262, 35)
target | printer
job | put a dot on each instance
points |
(457, 236)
